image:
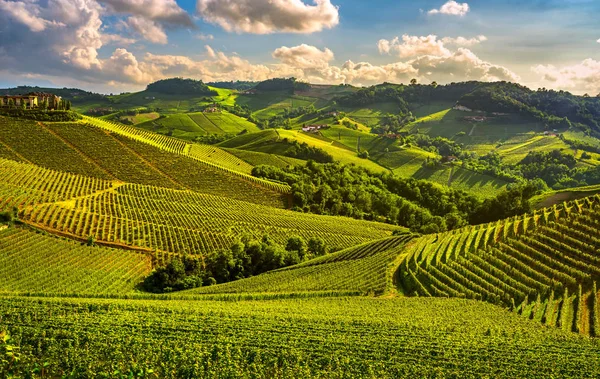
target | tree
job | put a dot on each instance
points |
(317, 246)
(23, 104)
(11, 103)
(434, 84)
(595, 322)
(68, 105)
(298, 245)
(413, 82)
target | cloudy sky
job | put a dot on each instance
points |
(122, 45)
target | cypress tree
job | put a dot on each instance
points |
(595, 323)
(564, 308)
(578, 311)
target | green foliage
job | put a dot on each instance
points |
(246, 257)
(281, 84)
(180, 86)
(40, 115)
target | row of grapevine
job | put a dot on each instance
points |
(335, 337)
(209, 155)
(168, 220)
(37, 145)
(32, 262)
(367, 272)
(514, 265)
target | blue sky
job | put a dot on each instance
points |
(119, 45)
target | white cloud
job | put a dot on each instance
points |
(28, 14)
(304, 56)
(580, 78)
(204, 37)
(411, 46)
(148, 29)
(269, 16)
(464, 42)
(162, 11)
(598, 40)
(452, 8)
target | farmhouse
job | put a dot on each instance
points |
(31, 100)
(313, 128)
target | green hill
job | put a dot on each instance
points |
(360, 269)
(36, 263)
(161, 219)
(127, 154)
(543, 265)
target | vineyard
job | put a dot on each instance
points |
(543, 265)
(363, 269)
(358, 337)
(90, 151)
(167, 220)
(31, 262)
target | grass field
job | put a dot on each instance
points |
(480, 185)
(140, 118)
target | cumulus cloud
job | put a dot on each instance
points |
(465, 42)
(148, 29)
(162, 11)
(580, 78)
(304, 56)
(411, 46)
(269, 16)
(27, 14)
(452, 8)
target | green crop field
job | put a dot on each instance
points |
(256, 159)
(140, 118)
(37, 263)
(287, 338)
(542, 266)
(361, 269)
(162, 219)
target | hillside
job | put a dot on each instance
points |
(155, 218)
(360, 269)
(543, 265)
(38, 263)
(114, 152)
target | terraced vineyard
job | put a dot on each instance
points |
(544, 265)
(32, 262)
(362, 269)
(358, 337)
(30, 142)
(100, 153)
(159, 218)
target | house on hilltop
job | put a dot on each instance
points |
(31, 100)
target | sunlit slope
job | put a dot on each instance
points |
(154, 218)
(136, 156)
(358, 337)
(33, 262)
(543, 265)
(361, 269)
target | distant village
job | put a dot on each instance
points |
(33, 100)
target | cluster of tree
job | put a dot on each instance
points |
(422, 206)
(71, 94)
(306, 152)
(404, 94)
(245, 258)
(282, 84)
(213, 139)
(180, 86)
(40, 115)
(237, 85)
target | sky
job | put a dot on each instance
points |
(113, 46)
